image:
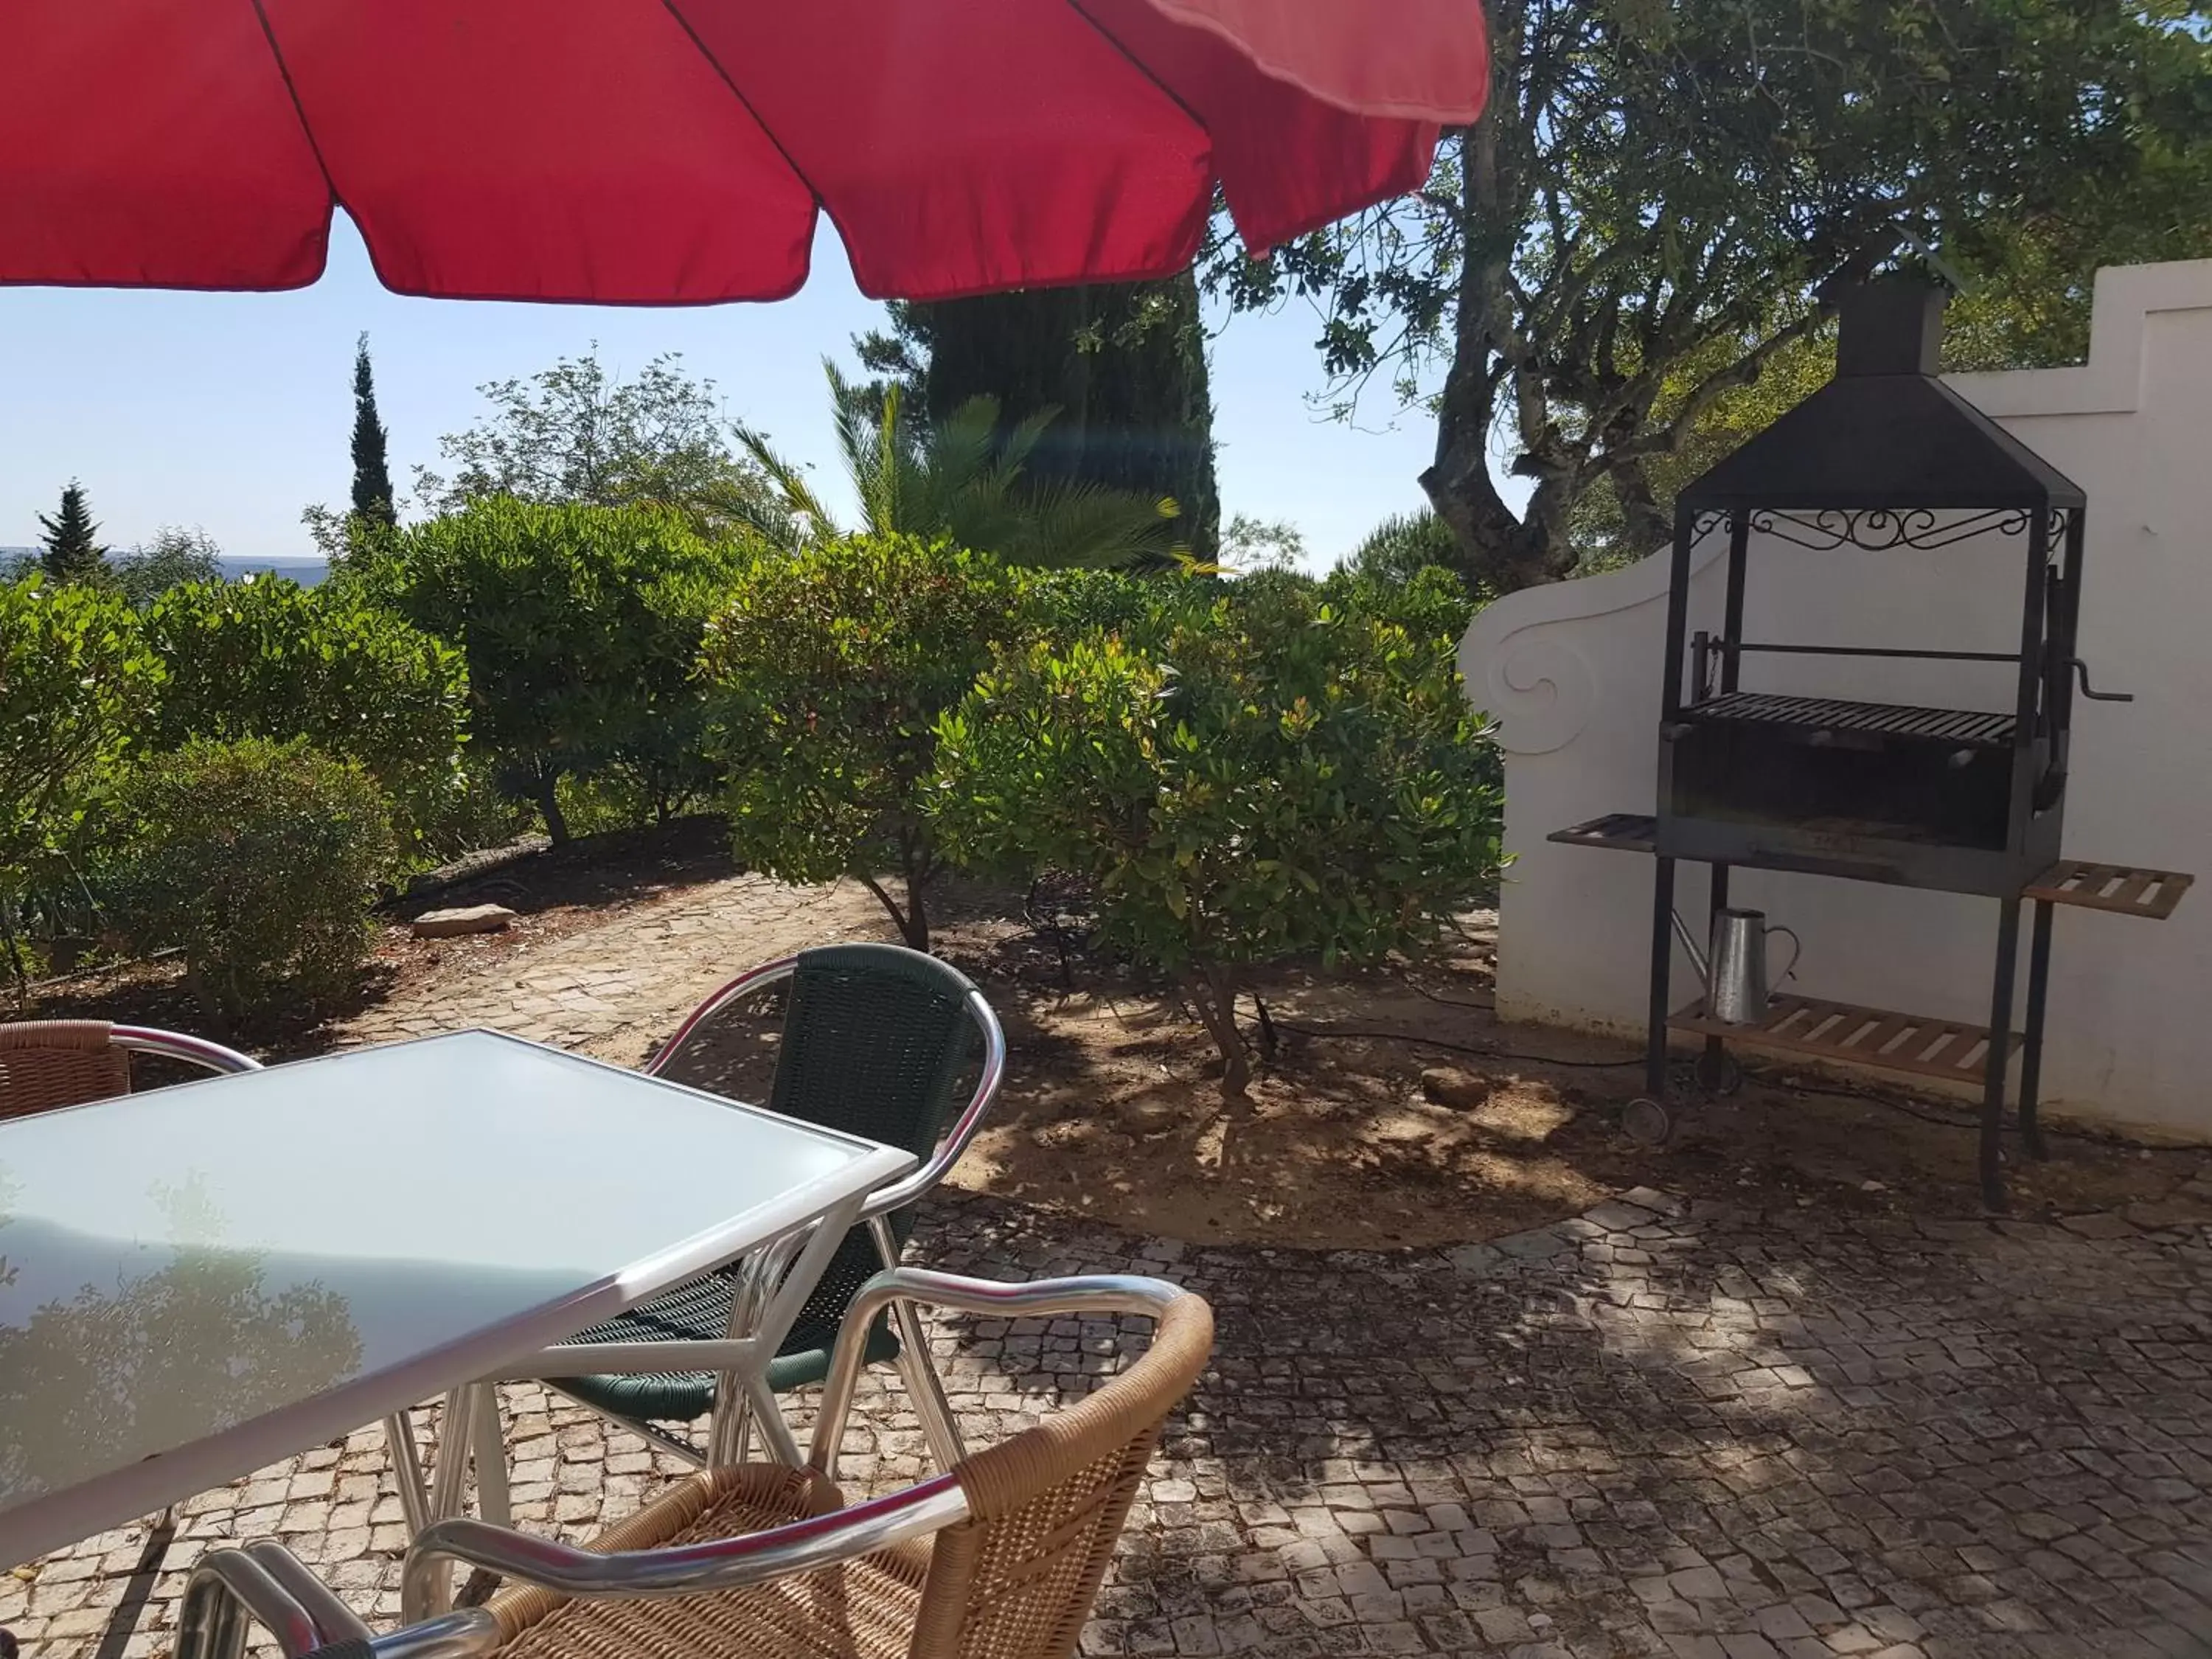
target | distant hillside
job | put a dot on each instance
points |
(305, 568)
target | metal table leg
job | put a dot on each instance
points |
(490, 1450)
(457, 1423)
(407, 1470)
(1993, 1067)
(776, 1296)
(2031, 1068)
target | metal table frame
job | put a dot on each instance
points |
(808, 1221)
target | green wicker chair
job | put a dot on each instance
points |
(875, 1039)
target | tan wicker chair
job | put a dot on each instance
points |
(1000, 1558)
(49, 1063)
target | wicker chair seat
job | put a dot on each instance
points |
(865, 1609)
(45, 1064)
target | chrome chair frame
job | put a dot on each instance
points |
(264, 1581)
(177, 1045)
(738, 1408)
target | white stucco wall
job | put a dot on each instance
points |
(1572, 672)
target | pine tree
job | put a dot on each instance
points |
(372, 473)
(71, 555)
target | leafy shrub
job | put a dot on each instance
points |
(266, 657)
(581, 627)
(75, 682)
(469, 814)
(260, 859)
(1285, 771)
(831, 667)
(175, 556)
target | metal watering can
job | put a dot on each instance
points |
(1734, 970)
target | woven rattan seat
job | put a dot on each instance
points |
(49, 1063)
(1015, 1582)
(1001, 1558)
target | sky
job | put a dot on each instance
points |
(232, 412)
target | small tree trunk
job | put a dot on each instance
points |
(1214, 995)
(1267, 1043)
(213, 1010)
(549, 807)
(916, 926)
(911, 922)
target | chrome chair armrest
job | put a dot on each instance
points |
(769, 973)
(177, 1045)
(725, 1564)
(267, 1582)
(1097, 1293)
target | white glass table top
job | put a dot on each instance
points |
(196, 1281)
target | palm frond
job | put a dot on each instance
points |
(795, 515)
(1015, 452)
(1094, 526)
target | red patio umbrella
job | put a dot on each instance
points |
(676, 151)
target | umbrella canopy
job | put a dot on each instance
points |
(677, 151)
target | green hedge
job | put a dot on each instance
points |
(581, 627)
(261, 859)
(76, 685)
(266, 657)
(831, 667)
(1269, 769)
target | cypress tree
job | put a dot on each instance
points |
(71, 554)
(1125, 364)
(372, 474)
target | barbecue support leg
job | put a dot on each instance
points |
(1663, 962)
(1993, 1067)
(2031, 1065)
(1716, 1049)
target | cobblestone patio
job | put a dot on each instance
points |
(616, 988)
(1695, 1430)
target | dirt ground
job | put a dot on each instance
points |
(1396, 1110)
(1400, 1111)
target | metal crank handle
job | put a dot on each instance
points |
(2082, 673)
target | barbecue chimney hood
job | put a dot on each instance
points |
(1886, 432)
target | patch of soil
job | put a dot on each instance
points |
(1110, 1110)
(1397, 1110)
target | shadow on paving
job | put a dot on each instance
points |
(1657, 1428)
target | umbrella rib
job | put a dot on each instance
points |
(716, 63)
(300, 113)
(1139, 64)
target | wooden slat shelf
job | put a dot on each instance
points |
(1626, 832)
(1845, 1032)
(2152, 894)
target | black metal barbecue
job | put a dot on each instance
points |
(1884, 457)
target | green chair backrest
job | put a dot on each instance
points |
(876, 1038)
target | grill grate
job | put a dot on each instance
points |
(1959, 725)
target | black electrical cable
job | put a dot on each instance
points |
(1282, 1024)
(1489, 1007)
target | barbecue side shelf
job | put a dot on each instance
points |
(1855, 1034)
